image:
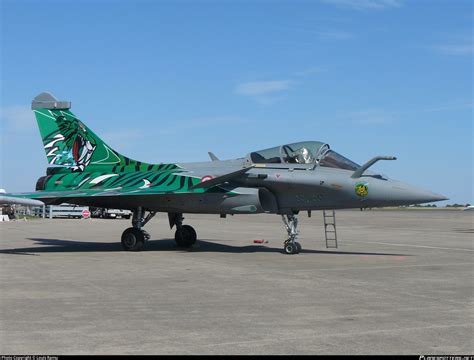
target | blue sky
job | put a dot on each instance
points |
(167, 81)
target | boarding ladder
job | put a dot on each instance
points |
(329, 217)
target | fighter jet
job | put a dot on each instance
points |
(282, 180)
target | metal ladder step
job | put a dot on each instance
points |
(329, 217)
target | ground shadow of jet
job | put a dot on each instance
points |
(58, 245)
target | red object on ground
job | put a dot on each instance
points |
(259, 241)
(86, 214)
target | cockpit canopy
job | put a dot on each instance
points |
(305, 152)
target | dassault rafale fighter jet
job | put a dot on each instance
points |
(282, 180)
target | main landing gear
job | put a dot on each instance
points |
(185, 235)
(133, 238)
(291, 246)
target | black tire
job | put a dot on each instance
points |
(290, 248)
(133, 239)
(298, 247)
(185, 236)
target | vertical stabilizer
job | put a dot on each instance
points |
(69, 143)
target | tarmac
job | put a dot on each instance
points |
(400, 282)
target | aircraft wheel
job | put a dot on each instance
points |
(298, 247)
(146, 235)
(133, 239)
(185, 236)
(290, 248)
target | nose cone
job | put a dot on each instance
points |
(393, 193)
(419, 196)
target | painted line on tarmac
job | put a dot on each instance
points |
(381, 267)
(409, 245)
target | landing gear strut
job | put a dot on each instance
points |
(290, 246)
(134, 238)
(185, 235)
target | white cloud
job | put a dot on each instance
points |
(18, 118)
(264, 92)
(458, 49)
(365, 4)
(256, 88)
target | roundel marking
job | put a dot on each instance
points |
(206, 178)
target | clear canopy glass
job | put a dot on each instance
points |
(305, 152)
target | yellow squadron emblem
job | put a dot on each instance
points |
(362, 189)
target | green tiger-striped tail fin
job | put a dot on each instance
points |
(70, 144)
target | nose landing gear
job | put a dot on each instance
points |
(291, 246)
